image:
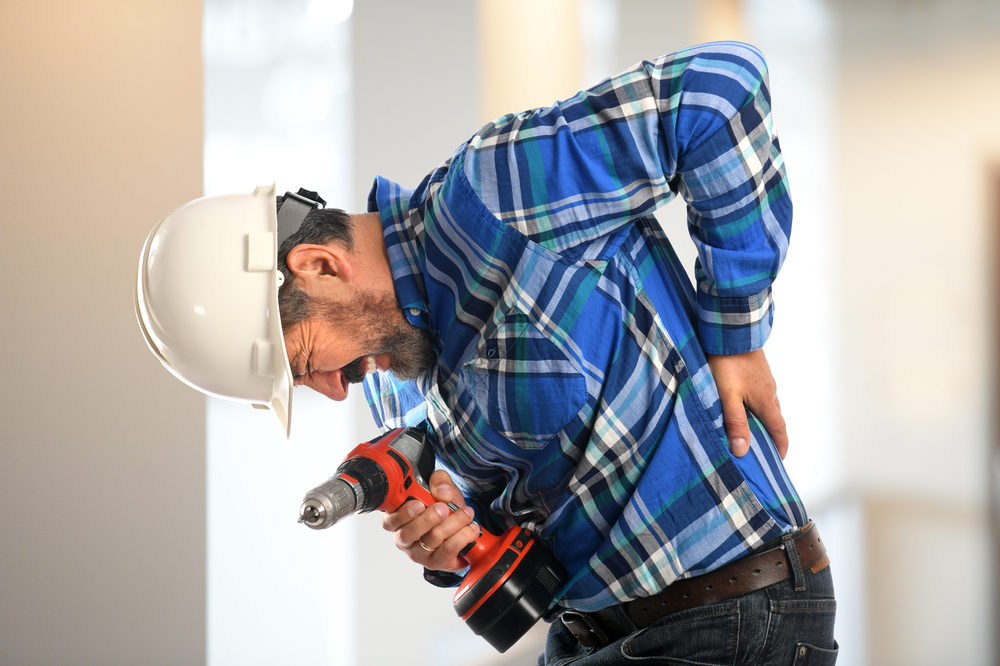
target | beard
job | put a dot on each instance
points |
(380, 326)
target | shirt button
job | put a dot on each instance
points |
(415, 312)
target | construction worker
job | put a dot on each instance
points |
(524, 308)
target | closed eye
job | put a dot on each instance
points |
(308, 371)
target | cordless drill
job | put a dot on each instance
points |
(512, 579)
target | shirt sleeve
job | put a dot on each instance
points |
(695, 123)
(739, 214)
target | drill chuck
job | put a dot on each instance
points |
(324, 505)
(360, 485)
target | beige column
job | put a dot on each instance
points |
(102, 452)
(530, 54)
(719, 20)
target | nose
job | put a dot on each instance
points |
(332, 384)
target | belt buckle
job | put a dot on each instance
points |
(586, 630)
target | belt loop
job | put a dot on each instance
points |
(798, 578)
(585, 629)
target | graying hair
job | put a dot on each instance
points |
(320, 226)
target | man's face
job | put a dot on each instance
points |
(340, 344)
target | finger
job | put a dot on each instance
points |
(734, 419)
(770, 417)
(439, 548)
(449, 526)
(411, 532)
(444, 489)
(402, 516)
(445, 557)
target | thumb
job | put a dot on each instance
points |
(444, 489)
(734, 419)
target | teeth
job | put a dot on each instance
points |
(370, 365)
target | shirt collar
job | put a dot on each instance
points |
(403, 230)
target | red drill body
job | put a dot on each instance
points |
(512, 578)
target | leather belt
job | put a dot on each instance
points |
(747, 574)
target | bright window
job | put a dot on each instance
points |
(277, 85)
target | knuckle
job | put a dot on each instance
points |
(457, 521)
(444, 531)
(428, 521)
(439, 563)
(451, 547)
(735, 425)
(440, 476)
(408, 537)
(444, 553)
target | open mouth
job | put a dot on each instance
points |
(355, 371)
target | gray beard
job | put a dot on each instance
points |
(382, 327)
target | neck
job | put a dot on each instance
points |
(369, 249)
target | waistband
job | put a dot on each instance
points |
(796, 552)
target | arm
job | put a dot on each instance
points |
(740, 214)
(697, 123)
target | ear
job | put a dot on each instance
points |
(313, 263)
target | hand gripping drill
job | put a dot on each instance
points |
(512, 578)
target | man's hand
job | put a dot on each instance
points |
(433, 536)
(745, 382)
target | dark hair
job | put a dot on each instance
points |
(320, 226)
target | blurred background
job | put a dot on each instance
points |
(141, 524)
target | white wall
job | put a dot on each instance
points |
(917, 239)
(277, 92)
(416, 90)
(102, 491)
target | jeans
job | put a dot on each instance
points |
(774, 625)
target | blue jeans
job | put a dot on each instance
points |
(774, 625)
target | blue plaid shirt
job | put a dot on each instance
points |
(572, 393)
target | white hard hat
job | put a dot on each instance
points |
(207, 299)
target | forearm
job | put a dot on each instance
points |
(740, 215)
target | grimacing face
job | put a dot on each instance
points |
(339, 344)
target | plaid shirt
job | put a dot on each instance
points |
(572, 393)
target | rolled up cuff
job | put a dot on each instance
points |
(728, 325)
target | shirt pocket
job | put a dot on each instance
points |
(524, 384)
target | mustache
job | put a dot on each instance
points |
(383, 329)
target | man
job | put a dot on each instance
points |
(524, 308)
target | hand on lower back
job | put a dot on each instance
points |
(745, 383)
